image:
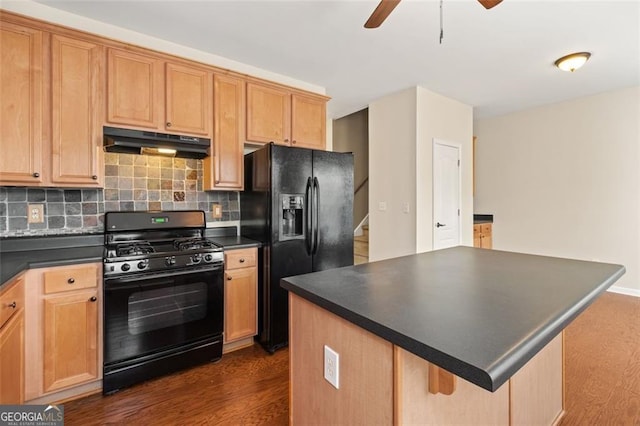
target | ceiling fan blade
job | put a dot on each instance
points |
(380, 13)
(488, 4)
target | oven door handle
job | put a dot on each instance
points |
(136, 279)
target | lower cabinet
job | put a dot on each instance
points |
(240, 298)
(482, 235)
(64, 343)
(12, 343)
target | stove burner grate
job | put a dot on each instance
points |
(193, 244)
(134, 249)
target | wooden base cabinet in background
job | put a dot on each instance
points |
(64, 343)
(12, 342)
(240, 298)
(482, 235)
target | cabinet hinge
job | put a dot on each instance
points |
(458, 163)
(458, 212)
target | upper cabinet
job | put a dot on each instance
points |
(140, 86)
(275, 114)
(52, 94)
(21, 104)
(77, 72)
(134, 89)
(224, 168)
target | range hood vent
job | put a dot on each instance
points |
(142, 142)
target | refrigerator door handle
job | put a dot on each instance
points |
(316, 214)
(308, 224)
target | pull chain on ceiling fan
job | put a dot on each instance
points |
(385, 7)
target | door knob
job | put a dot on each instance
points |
(438, 224)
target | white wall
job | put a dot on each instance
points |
(392, 175)
(401, 131)
(564, 180)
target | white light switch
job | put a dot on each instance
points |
(405, 208)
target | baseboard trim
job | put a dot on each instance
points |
(624, 290)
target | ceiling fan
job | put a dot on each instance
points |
(385, 7)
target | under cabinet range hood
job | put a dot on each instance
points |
(144, 142)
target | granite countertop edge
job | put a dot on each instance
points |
(494, 375)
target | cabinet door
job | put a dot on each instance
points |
(12, 360)
(70, 339)
(188, 95)
(226, 163)
(240, 304)
(477, 236)
(268, 114)
(21, 62)
(308, 122)
(77, 109)
(134, 89)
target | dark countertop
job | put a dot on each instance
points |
(22, 253)
(480, 314)
(482, 218)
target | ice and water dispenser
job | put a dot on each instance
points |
(292, 217)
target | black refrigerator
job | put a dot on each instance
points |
(299, 203)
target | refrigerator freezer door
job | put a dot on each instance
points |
(333, 195)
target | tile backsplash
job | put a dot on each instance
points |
(132, 182)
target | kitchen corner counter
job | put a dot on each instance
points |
(479, 314)
(19, 254)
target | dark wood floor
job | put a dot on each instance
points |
(251, 387)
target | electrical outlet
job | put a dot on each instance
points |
(217, 210)
(332, 367)
(382, 206)
(36, 213)
(405, 208)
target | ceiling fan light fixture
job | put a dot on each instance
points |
(572, 62)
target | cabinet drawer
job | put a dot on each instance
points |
(240, 258)
(73, 278)
(11, 300)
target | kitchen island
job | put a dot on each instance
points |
(453, 336)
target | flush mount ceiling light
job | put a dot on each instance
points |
(573, 61)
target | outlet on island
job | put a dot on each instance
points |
(332, 367)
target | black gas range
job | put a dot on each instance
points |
(164, 295)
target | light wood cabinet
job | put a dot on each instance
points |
(21, 105)
(240, 295)
(144, 91)
(134, 89)
(64, 341)
(275, 114)
(308, 121)
(224, 169)
(52, 95)
(77, 95)
(12, 343)
(482, 235)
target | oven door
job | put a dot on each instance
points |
(147, 314)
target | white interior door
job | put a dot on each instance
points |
(446, 194)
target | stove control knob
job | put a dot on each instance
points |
(142, 265)
(170, 261)
(125, 267)
(196, 258)
(208, 258)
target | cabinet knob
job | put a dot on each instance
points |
(71, 280)
(93, 299)
(169, 124)
(36, 175)
(293, 142)
(241, 260)
(217, 182)
(229, 278)
(12, 305)
(286, 140)
(94, 177)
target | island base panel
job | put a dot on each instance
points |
(366, 370)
